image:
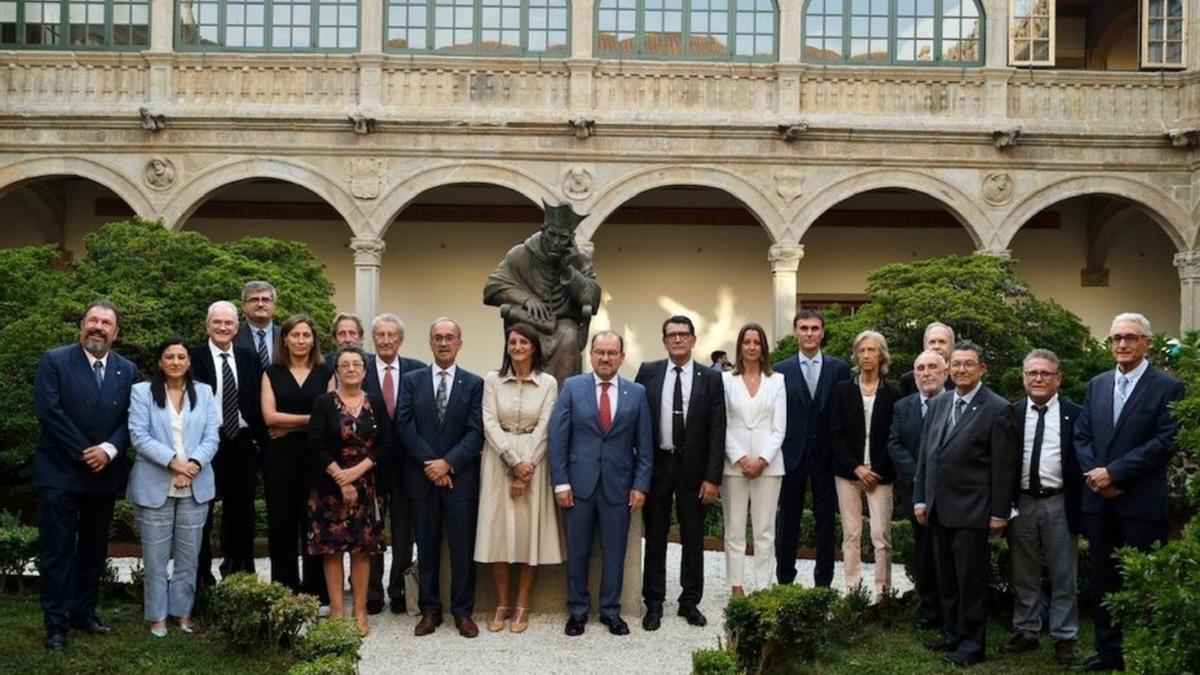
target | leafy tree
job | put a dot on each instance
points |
(984, 301)
(162, 283)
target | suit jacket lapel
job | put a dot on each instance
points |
(590, 406)
(968, 414)
(1104, 425)
(658, 380)
(624, 399)
(697, 390)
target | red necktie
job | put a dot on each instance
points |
(389, 391)
(605, 408)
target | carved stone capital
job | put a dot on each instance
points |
(785, 258)
(1188, 264)
(368, 251)
(1001, 253)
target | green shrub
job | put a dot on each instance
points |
(1158, 608)
(713, 662)
(43, 294)
(339, 637)
(904, 547)
(849, 615)
(328, 664)
(289, 615)
(18, 546)
(779, 623)
(241, 609)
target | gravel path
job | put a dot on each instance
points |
(543, 648)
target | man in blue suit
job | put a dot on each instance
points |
(1124, 438)
(385, 368)
(809, 378)
(601, 456)
(81, 394)
(440, 420)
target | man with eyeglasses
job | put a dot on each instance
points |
(257, 333)
(687, 409)
(966, 473)
(1125, 437)
(1047, 519)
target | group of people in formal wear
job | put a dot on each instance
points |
(518, 470)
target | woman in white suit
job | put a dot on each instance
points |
(173, 427)
(756, 418)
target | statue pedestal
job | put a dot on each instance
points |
(550, 583)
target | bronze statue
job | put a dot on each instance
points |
(548, 283)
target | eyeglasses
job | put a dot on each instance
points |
(964, 365)
(1130, 338)
(679, 335)
(600, 354)
(1040, 375)
(260, 301)
(444, 339)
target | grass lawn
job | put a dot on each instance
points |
(130, 650)
(899, 650)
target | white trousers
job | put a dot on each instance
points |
(879, 504)
(758, 499)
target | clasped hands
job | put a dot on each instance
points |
(96, 458)
(183, 472)
(867, 478)
(752, 468)
(438, 473)
(1099, 481)
(522, 475)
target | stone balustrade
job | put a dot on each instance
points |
(446, 89)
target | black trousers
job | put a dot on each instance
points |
(72, 549)
(287, 487)
(787, 521)
(667, 486)
(1106, 531)
(401, 533)
(962, 573)
(454, 512)
(930, 608)
(235, 468)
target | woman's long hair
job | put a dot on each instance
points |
(158, 381)
(764, 360)
(526, 331)
(283, 356)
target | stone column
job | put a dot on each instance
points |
(1002, 253)
(582, 13)
(370, 57)
(368, 255)
(162, 25)
(1188, 263)
(159, 55)
(996, 12)
(785, 260)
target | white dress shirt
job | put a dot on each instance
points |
(437, 371)
(381, 371)
(1050, 464)
(219, 386)
(666, 405)
(868, 411)
(178, 419)
(109, 448)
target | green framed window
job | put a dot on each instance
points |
(700, 30)
(479, 27)
(894, 32)
(75, 24)
(267, 25)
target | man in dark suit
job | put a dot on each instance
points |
(1124, 438)
(938, 337)
(259, 331)
(966, 473)
(81, 395)
(601, 460)
(904, 444)
(440, 420)
(1047, 521)
(235, 375)
(687, 409)
(384, 370)
(809, 377)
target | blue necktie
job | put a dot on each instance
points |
(263, 355)
(1118, 401)
(98, 370)
(810, 377)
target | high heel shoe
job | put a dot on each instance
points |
(497, 623)
(521, 621)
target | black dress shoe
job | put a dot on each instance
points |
(398, 607)
(1064, 652)
(693, 616)
(56, 642)
(575, 625)
(374, 608)
(944, 642)
(1020, 643)
(652, 620)
(1097, 664)
(616, 625)
(91, 626)
(925, 623)
(960, 659)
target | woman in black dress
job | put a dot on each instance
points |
(289, 387)
(347, 434)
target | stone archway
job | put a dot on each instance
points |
(196, 191)
(25, 171)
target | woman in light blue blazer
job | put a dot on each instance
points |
(173, 425)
